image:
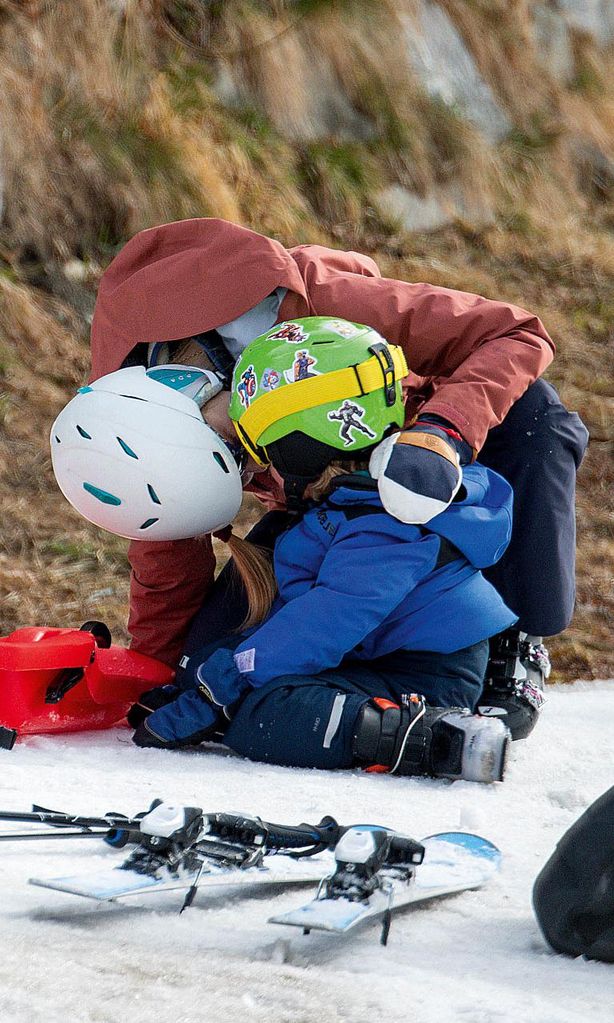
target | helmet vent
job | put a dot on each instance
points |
(83, 432)
(147, 523)
(57, 439)
(126, 448)
(153, 495)
(220, 461)
(101, 495)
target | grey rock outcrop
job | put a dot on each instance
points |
(447, 70)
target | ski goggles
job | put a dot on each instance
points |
(201, 385)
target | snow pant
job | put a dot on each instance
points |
(573, 896)
(310, 721)
(538, 448)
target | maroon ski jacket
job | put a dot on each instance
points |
(470, 359)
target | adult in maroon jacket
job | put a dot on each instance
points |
(473, 365)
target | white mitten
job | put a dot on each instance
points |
(418, 473)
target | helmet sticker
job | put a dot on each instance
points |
(349, 415)
(270, 379)
(301, 367)
(343, 327)
(247, 386)
(293, 333)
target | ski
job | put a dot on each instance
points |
(372, 880)
(183, 848)
(374, 870)
(119, 883)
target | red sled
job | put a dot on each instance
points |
(69, 680)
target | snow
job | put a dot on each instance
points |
(474, 958)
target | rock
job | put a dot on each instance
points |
(298, 91)
(76, 270)
(411, 211)
(447, 70)
(226, 87)
(441, 206)
(553, 42)
(595, 17)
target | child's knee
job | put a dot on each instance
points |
(297, 726)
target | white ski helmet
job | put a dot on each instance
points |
(132, 453)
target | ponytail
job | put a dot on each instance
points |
(254, 564)
(256, 573)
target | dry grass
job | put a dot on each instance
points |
(111, 123)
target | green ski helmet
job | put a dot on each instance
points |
(314, 390)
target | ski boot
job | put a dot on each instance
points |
(517, 669)
(440, 742)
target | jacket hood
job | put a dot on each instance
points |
(184, 278)
(479, 525)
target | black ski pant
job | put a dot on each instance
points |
(310, 721)
(538, 449)
(573, 896)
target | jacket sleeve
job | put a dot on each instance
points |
(483, 353)
(168, 584)
(363, 577)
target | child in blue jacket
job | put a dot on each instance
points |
(374, 651)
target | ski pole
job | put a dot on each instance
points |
(56, 819)
(49, 835)
(297, 840)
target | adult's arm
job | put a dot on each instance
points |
(168, 584)
(483, 353)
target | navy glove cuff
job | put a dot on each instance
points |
(150, 701)
(185, 722)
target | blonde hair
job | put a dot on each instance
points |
(256, 573)
(322, 487)
(254, 564)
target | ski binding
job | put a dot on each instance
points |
(180, 848)
(378, 872)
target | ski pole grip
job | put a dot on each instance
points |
(253, 831)
(404, 850)
(311, 837)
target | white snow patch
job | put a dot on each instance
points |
(474, 958)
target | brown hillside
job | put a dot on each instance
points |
(306, 120)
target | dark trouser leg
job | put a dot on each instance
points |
(298, 725)
(445, 680)
(538, 448)
(311, 721)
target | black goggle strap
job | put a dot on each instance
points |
(383, 355)
(257, 453)
(294, 489)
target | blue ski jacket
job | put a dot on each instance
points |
(356, 583)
